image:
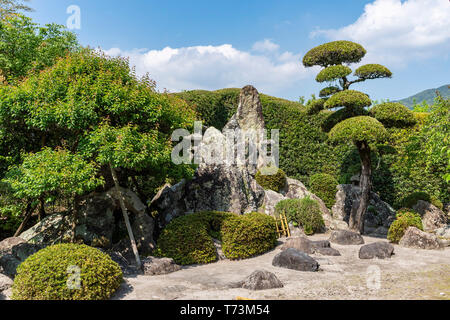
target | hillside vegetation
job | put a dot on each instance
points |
(427, 95)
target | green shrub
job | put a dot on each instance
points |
(306, 212)
(188, 239)
(393, 114)
(405, 218)
(412, 199)
(274, 182)
(46, 275)
(335, 52)
(324, 186)
(333, 73)
(248, 235)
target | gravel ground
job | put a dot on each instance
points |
(409, 274)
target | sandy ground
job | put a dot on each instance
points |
(409, 274)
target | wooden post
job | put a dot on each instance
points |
(125, 216)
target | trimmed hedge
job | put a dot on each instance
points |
(189, 239)
(324, 186)
(373, 71)
(248, 235)
(305, 212)
(328, 91)
(393, 114)
(335, 52)
(333, 73)
(274, 182)
(358, 129)
(405, 218)
(349, 99)
(45, 276)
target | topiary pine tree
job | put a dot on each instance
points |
(352, 122)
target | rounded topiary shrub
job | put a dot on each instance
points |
(186, 240)
(412, 199)
(248, 235)
(67, 272)
(405, 218)
(324, 186)
(271, 178)
(306, 212)
(189, 239)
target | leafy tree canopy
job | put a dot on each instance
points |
(358, 129)
(349, 99)
(393, 114)
(333, 73)
(373, 71)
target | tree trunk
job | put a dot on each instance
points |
(125, 216)
(41, 213)
(29, 210)
(356, 222)
(76, 210)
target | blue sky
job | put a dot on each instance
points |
(214, 44)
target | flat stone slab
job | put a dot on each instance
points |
(380, 250)
(296, 260)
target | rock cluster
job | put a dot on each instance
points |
(432, 217)
(13, 251)
(305, 245)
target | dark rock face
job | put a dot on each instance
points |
(321, 244)
(155, 266)
(260, 280)
(378, 217)
(415, 238)
(99, 219)
(127, 268)
(380, 250)
(13, 251)
(327, 251)
(296, 260)
(346, 237)
(5, 283)
(432, 217)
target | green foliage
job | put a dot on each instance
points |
(412, 199)
(373, 71)
(26, 47)
(349, 99)
(332, 73)
(46, 274)
(306, 212)
(393, 114)
(405, 218)
(52, 173)
(10, 7)
(271, 178)
(188, 239)
(328, 91)
(358, 129)
(334, 53)
(324, 186)
(248, 235)
(427, 97)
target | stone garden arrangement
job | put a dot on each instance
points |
(88, 189)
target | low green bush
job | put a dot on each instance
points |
(189, 239)
(306, 212)
(412, 199)
(324, 186)
(275, 181)
(248, 235)
(405, 218)
(47, 275)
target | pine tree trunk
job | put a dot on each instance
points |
(356, 222)
(125, 216)
(76, 209)
(29, 210)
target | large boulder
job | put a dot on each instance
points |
(346, 237)
(444, 232)
(379, 214)
(5, 282)
(415, 238)
(8, 244)
(100, 220)
(299, 243)
(156, 266)
(260, 280)
(327, 251)
(432, 217)
(13, 251)
(296, 260)
(380, 250)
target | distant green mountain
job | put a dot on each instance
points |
(427, 95)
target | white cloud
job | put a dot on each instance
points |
(216, 67)
(265, 46)
(396, 31)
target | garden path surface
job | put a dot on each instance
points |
(408, 274)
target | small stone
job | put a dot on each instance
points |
(299, 243)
